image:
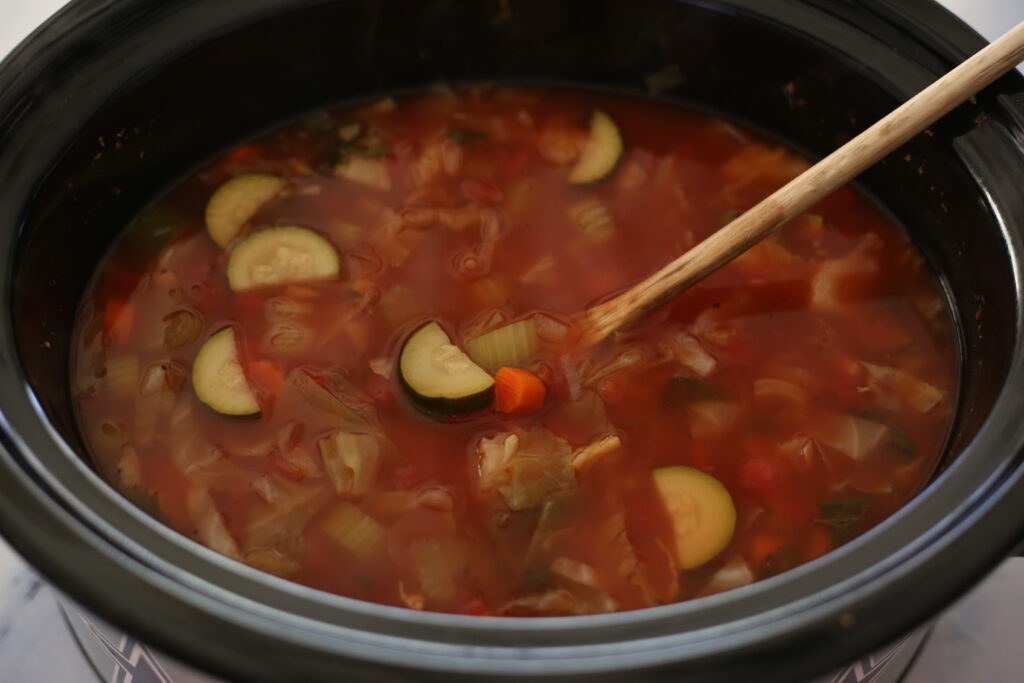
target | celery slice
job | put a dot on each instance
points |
(122, 374)
(353, 529)
(594, 219)
(508, 346)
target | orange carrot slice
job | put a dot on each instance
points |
(518, 391)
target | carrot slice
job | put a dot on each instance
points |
(118, 318)
(518, 391)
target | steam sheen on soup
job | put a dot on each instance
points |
(344, 353)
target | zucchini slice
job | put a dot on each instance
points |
(280, 256)
(601, 153)
(702, 512)
(439, 377)
(237, 201)
(218, 379)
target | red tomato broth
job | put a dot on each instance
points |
(802, 312)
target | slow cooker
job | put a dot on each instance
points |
(112, 100)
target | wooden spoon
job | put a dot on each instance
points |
(808, 188)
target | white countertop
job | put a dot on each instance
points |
(977, 639)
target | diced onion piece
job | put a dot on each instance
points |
(584, 457)
(281, 523)
(272, 561)
(279, 256)
(351, 461)
(709, 418)
(733, 575)
(580, 572)
(129, 467)
(551, 329)
(333, 395)
(366, 171)
(354, 530)
(632, 357)
(768, 388)
(236, 202)
(561, 602)
(163, 377)
(921, 396)
(509, 346)
(542, 272)
(382, 366)
(440, 562)
(845, 279)
(412, 600)
(688, 352)
(526, 467)
(853, 436)
(209, 524)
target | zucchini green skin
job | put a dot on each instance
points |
(448, 407)
(450, 402)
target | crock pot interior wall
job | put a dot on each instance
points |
(175, 115)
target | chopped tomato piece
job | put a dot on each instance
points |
(476, 607)
(759, 474)
(242, 154)
(483, 191)
(267, 375)
(762, 547)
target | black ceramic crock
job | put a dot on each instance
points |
(112, 100)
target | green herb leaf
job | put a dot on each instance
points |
(465, 137)
(845, 516)
(367, 145)
(537, 578)
(785, 558)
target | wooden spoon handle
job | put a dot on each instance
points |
(808, 188)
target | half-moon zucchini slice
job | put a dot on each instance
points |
(280, 256)
(439, 377)
(601, 153)
(236, 202)
(218, 378)
(702, 513)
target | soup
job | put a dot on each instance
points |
(346, 353)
